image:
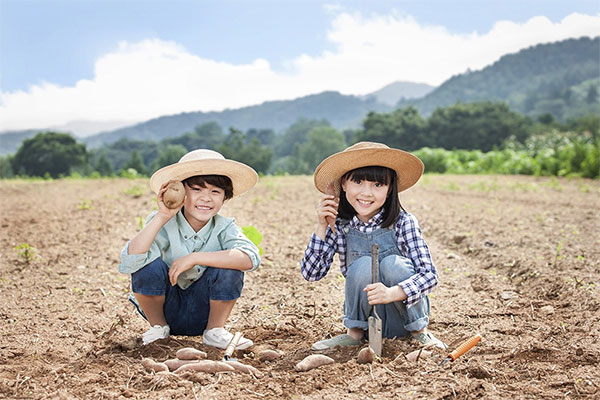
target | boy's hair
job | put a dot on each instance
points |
(220, 181)
(382, 175)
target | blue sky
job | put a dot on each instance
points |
(132, 60)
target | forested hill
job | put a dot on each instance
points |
(340, 110)
(558, 78)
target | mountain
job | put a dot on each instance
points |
(394, 92)
(558, 78)
(342, 111)
(11, 140)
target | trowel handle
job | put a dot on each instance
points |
(463, 348)
(375, 263)
(232, 345)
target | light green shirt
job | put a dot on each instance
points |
(177, 239)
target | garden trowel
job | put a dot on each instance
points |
(374, 320)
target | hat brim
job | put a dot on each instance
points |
(408, 167)
(242, 176)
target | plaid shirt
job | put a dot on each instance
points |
(319, 253)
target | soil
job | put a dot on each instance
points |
(518, 260)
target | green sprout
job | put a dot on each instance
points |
(26, 252)
(254, 236)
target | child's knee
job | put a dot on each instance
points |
(227, 278)
(151, 274)
(394, 269)
(359, 273)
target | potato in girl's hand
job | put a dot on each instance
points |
(174, 194)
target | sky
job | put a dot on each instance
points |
(107, 61)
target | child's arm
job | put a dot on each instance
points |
(230, 259)
(322, 246)
(141, 243)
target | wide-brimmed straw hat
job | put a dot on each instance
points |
(206, 162)
(408, 167)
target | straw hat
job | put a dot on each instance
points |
(364, 154)
(206, 162)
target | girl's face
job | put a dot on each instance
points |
(202, 203)
(366, 197)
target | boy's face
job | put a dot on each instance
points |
(202, 203)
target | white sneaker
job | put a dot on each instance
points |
(220, 337)
(156, 332)
(427, 339)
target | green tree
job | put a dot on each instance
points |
(204, 136)
(50, 153)
(480, 126)
(135, 162)
(403, 129)
(252, 153)
(168, 155)
(323, 141)
(103, 166)
(297, 133)
(6, 170)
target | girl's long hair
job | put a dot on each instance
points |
(382, 175)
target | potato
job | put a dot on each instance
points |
(366, 356)
(154, 366)
(189, 353)
(248, 369)
(175, 363)
(269, 355)
(205, 366)
(174, 194)
(313, 361)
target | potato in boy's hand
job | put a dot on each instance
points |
(174, 194)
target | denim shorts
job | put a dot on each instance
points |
(186, 311)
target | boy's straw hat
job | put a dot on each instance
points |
(365, 154)
(206, 162)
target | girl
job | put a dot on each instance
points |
(368, 177)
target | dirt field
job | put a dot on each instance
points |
(518, 259)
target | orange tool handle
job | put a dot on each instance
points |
(463, 348)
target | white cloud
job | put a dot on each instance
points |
(150, 78)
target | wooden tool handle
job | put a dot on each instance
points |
(463, 348)
(234, 342)
(375, 262)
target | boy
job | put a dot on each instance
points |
(187, 264)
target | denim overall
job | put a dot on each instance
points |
(397, 320)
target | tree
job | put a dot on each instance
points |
(403, 129)
(170, 154)
(50, 153)
(103, 166)
(237, 147)
(481, 126)
(6, 170)
(204, 136)
(135, 162)
(297, 133)
(323, 142)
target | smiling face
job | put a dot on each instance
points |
(202, 203)
(366, 197)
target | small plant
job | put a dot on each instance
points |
(26, 252)
(135, 191)
(254, 236)
(85, 205)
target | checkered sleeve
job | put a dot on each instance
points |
(410, 239)
(318, 256)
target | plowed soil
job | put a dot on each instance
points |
(518, 259)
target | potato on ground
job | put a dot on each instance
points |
(313, 361)
(175, 363)
(248, 369)
(269, 355)
(154, 366)
(205, 366)
(366, 356)
(189, 353)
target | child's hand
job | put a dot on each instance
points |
(179, 266)
(163, 210)
(327, 211)
(378, 293)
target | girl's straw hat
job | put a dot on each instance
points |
(206, 162)
(365, 154)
